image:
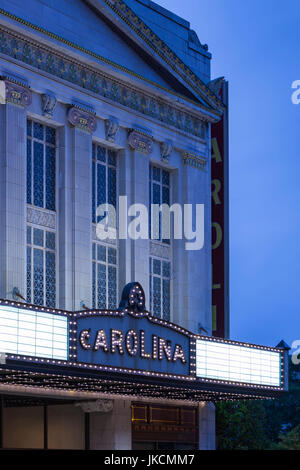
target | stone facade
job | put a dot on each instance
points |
(72, 83)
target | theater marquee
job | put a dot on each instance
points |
(128, 351)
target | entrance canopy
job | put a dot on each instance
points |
(128, 352)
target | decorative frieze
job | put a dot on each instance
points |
(111, 128)
(140, 141)
(194, 160)
(82, 119)
(40, 217)
(48, 104)
(48, 60)
(17, 94)
(166, 150)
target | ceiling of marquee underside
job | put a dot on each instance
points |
(126, 386)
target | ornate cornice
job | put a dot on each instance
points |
(82, 119)
(165, 52)
(194, 160)
(48, 60)
(140, 141)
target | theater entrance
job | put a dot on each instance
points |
(160, 427)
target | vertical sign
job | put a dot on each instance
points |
(220, 222)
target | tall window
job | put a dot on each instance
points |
(41, 195)
(159, 194)
(104, 284)
(159, 268)
(160, 288)
(104, 191)
(41, 282)
(40, 165)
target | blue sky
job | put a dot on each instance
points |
(256, 46)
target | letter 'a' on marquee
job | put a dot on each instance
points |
(129, 351)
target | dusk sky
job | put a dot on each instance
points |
(255, 46)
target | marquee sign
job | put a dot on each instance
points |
(130, 339)
(219, 214)
(130, 346)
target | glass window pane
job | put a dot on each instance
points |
(165, 178)
(112, 256)
(166, 299)
(156, 296)
(111, 157)
(166, 269)
(28, 275)
(29, 126)
(38, 277)
(50, 240)
(101, 153)
(112, 287)
(38, 178)
(29, 172)
(112, 187)
(38, 237)
(50, 135)
(50, 279)
(50, 178)
(38, 131)
(156, 174)
(29, 235)
(101, 285)
(157, 266)
(101, 253)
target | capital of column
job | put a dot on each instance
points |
(140, 141)
(195, 160)
(17, 93)
(82, 119)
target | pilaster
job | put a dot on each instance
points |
(140, 147)
(207, 426)
(83, 123)
(13, 188)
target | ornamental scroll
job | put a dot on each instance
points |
(82, 119)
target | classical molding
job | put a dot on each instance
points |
(166, 148)
(82, 119)
(194, 160)
(48, 104)
(160, 250)
(17, 94)
(41, 217)
(62, 67)
(140, 141)
(165, 52)
(111, 128)
(97, 406)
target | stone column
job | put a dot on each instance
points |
(207, 426)
(110, 429)
(138, 193)
(196, 266)
(13, 189)
(80, 232)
